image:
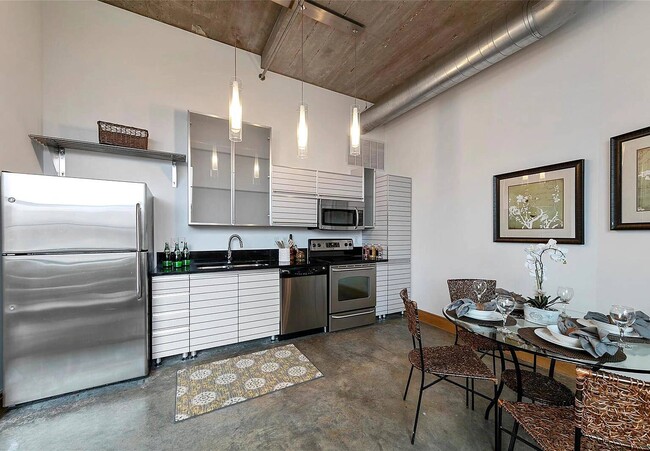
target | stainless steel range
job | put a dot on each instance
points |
(352, 283)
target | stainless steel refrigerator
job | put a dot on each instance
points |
(75, 258)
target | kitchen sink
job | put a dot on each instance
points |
(230, 266)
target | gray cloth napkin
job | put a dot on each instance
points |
(591, 339)
(641, 325)
(462, 306)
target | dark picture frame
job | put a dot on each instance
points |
(568, 193)
(622, 210)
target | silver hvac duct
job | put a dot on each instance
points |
(499, 40)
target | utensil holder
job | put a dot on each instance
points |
(284, 255)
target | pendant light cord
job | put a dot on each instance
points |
(235, 57)
(302, 52)
(355, 69)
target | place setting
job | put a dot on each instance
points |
(492, 313)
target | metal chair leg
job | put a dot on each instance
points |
(472, 394)
(417, 412)
(498, 434)
(408, 383)
(513, 436)
(497, 394)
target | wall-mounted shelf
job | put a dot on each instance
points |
(57, 147)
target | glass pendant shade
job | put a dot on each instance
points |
(256, 169)
(355, 132)
(215, 158)
(303, 132)
(235, 111)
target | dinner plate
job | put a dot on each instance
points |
(609, 328)
(546, 335)
(570, 341)
(486, 315)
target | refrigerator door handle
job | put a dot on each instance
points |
(138, 228)
(138, 246)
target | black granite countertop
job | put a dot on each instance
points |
(245, 260)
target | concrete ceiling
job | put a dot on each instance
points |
(400, 37)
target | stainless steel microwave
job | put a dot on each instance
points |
(340, 215)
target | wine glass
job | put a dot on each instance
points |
(505, 305)
(479, 287)
(565, 294)
(623, 316)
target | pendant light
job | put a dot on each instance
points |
(303, 130)
(235, 107)
(355, 117)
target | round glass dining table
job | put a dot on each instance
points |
(637, 355)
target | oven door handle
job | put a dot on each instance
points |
(353, 314)
(353, 268)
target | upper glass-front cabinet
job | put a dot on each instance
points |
(228, 182)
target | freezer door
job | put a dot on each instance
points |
(72, 322)
(60, 214)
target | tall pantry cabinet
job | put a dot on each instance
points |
(392, 231)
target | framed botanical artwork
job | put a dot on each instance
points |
(630, 181)
(535, 205)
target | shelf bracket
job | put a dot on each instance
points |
(174, 175)
(58, 159)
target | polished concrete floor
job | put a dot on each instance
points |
(357, 405)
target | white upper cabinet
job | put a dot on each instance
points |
(293, 180)
(340, 186)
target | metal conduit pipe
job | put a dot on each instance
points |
(500, 39)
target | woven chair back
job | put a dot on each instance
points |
(411, 310)
(462, 288)
(613, 409)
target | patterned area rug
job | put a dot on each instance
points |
(211, 386)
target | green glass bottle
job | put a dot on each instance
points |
(178, 258)
(186, 255)
(167, 259)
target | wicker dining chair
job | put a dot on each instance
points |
(611, 412)
(441, 361)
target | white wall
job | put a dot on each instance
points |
(103, 63)
(20, 84)
(560, 99)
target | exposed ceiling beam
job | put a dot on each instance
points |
(286, 17)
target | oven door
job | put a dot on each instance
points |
(352, 287)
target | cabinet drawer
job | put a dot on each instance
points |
(215, 284)
(258, 276)
(170, 298)
(179, 319)
(177, 282)
(169, 335)
(158, 309)
(167, 349)
(215, 317)
(200, 309)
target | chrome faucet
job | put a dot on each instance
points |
(241, 244)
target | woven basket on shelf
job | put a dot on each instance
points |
(122, 135)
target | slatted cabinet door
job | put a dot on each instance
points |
(399, 277)
(340, 186)
(382, 289)
(293, 180)
(292, 210)
(213, 310)
(399, 218)
(170, 315)
(259, 304)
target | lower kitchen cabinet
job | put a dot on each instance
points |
(201, 311)
(170, 316)
(259, 304)
(382, 289)
(213, 310)
(399, 277)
